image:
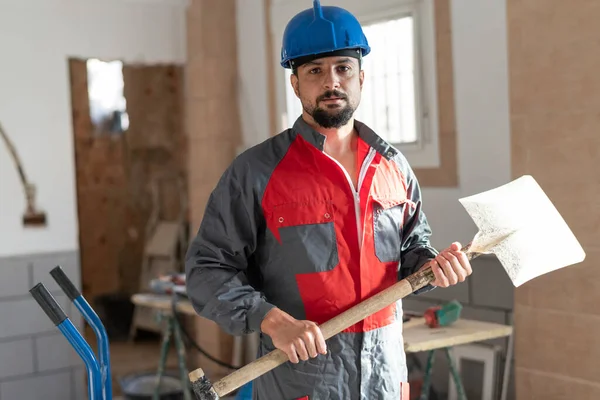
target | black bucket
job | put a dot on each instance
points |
(141, 386)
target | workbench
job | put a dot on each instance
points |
(417, 336)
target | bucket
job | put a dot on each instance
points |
(141, 386)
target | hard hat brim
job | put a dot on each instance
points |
(354, 52)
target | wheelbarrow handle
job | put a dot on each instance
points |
(48, 304)
(65, 283)
(94, 321)
(56, 314)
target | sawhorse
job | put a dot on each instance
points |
(172, 331)
(455, 375)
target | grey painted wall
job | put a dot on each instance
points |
(487, 295)
(35, 358)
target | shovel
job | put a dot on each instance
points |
(516, 222)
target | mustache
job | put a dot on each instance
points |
(331, 93)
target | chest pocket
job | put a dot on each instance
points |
(307, 238)
(388, 217)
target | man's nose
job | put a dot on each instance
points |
(331, 80)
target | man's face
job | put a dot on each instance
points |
(329, 89)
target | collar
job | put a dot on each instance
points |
(364, 132)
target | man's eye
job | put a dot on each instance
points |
(314, 71)
(344, 68)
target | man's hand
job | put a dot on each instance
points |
(298, 339)
(450, 267)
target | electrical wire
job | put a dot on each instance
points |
(191, 341)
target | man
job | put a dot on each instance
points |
(311, 222)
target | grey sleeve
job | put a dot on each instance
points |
(416, 248)
(217, 260)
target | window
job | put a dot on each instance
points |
(399, 97)
(107, 103)
(388, 99)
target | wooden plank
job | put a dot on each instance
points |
(422, 338)
(415, 321)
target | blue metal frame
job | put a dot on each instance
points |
(94, 321)
(103, 344)
(70, 332)
(99, 374)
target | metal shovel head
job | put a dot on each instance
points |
(519, 224)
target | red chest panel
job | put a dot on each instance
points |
(308, 188)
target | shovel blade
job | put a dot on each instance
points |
(528, 235)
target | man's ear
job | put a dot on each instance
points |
(294, 83)
(361, 78)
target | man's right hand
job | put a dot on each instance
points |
(298, 339)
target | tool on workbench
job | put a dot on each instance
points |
(435, 316)
(516, 222)
(443, 315)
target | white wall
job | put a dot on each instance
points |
(481, 100)
(482, 114)
(253, 96)
(36, 38)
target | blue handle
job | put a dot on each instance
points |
(70, 332)
(103, 345)
(95, 389)
(94, 321)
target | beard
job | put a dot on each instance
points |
(334, 116)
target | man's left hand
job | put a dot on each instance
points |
(450, 267)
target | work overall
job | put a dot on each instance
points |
(285, 227)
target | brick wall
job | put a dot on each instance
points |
(554, 84)
(34, 356)
(213, 128)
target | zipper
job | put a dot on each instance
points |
(356, 191)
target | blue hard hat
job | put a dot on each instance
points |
(314, 32)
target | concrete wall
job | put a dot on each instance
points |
(554, 85)
(37, 37)
(34, 356)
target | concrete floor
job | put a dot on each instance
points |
(134, 357)
(131, 357)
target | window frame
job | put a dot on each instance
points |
(424, 153)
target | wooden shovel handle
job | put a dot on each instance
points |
(330, 328)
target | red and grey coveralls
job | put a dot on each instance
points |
(285, 227)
